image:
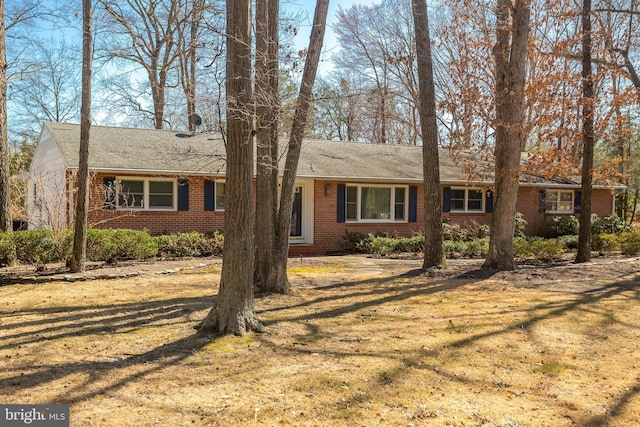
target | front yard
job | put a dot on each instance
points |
(358, 341)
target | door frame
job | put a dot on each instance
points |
(307, 186)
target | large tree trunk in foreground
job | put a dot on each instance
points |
(267, 111)
(588, 140)
(82, 200)
(512, 25)
(234, 311)
(433, 241)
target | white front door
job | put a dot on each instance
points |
(302, 213)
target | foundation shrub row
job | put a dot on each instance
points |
(41, 247)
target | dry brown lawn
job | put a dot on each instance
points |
(370, 343)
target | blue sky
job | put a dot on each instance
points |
(308, 7)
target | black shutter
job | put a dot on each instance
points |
(413, 204)
(446, 195)
(209, 195)
(109, 186)
(542, 201)
(577, 201)
(342, 202)
(489, 201)
(183, 194)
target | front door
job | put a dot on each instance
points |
(296, 214)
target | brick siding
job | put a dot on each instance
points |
(328, 232)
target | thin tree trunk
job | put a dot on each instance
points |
(82, 200)
(588, 140)
(234, 311)
(267, 111)
(5, 199)
(295, 144)
(433, 240)
(510, 52)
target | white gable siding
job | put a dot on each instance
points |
(47, 189)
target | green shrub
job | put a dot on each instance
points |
(364, 245)
(389, 245)
(547, 250)
(564, 225)
(476, 248)
(570, 242)
(630, 242)
(215, 244)
(193, 244)
(597, 225)
(100, 245)
(37, 247)
(453, 248)
(454, 232)
(605, 243)
(352, 241)
(113, 245)
(614, 224)
(7, 248)
(520, 225)
(521, 248)
(178, 245)
(382, 245)
(473, 249)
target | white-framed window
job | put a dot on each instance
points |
(559, 201)
(146, 194)
(220, 195)
(376, 203)
(467, 200)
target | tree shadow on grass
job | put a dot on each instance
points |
(64, 322)
(536, 314)
(61, 322)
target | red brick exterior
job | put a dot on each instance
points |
(529, 205)
(328, 232)
(157, 222)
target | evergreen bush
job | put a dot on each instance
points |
(630, 242)
(7, 248)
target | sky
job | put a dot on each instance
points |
(330, 42)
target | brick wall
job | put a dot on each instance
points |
(537, 222)
(328, 232)
(157, 222)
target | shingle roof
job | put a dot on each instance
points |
(144, 150)
(177, 152)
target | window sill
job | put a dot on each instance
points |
(560, 212)
(375, 221)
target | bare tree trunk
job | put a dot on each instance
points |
(188, 59)
(267, 112)
(588, 140)
(510, 52)
(433, 240)
(82, 200)
(157, 94)
(234, 311)
(5, 199)
(295, 145)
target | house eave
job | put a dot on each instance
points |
(122, 171)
